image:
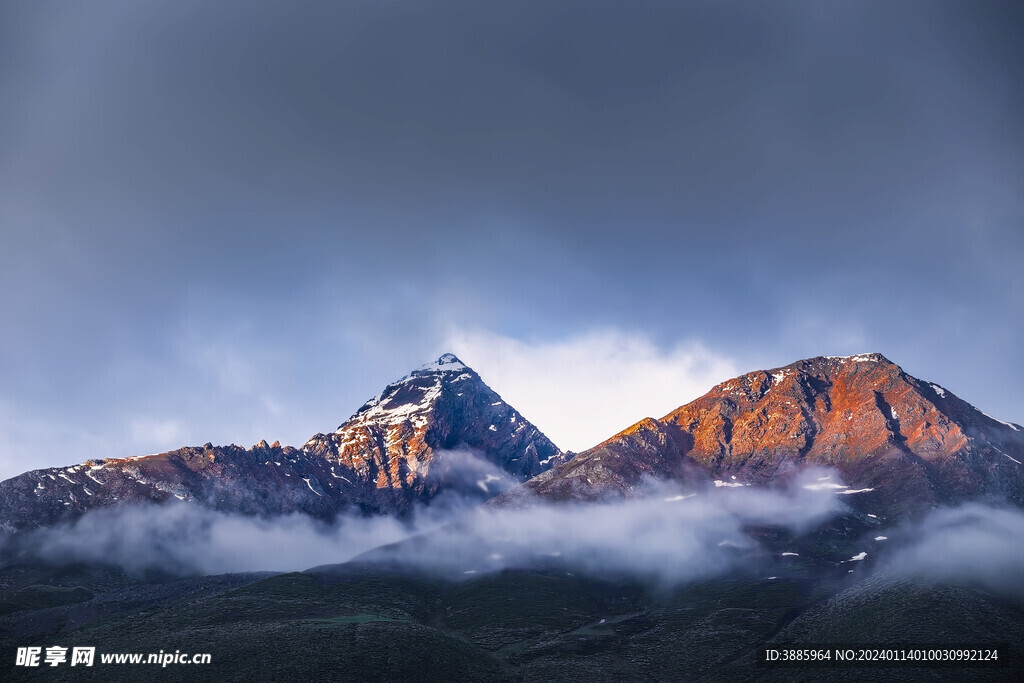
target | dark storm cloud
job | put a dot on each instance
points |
(256, 211)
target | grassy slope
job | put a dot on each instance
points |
(352, 623)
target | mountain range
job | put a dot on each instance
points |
(899, 445)
(440, 428)
(888, 447)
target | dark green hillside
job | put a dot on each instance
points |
(352, 622)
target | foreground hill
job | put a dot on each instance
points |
(440, 427)
(899, 443)
(357, 622)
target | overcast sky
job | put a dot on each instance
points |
(238, 220)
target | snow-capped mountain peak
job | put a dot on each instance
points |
(448, 362)
(394, 439)
(412, 397)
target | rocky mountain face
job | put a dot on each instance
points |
(900, 445)
(419, 433)
(440, 428)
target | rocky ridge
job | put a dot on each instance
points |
(439, 428)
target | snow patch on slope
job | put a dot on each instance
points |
(1012, 426)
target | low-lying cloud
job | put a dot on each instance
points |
(973, 544)
(667, 536)
(468, 471)
(189, 539)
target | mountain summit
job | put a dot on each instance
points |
(901, 444)
(398, 438)
(439, 428)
